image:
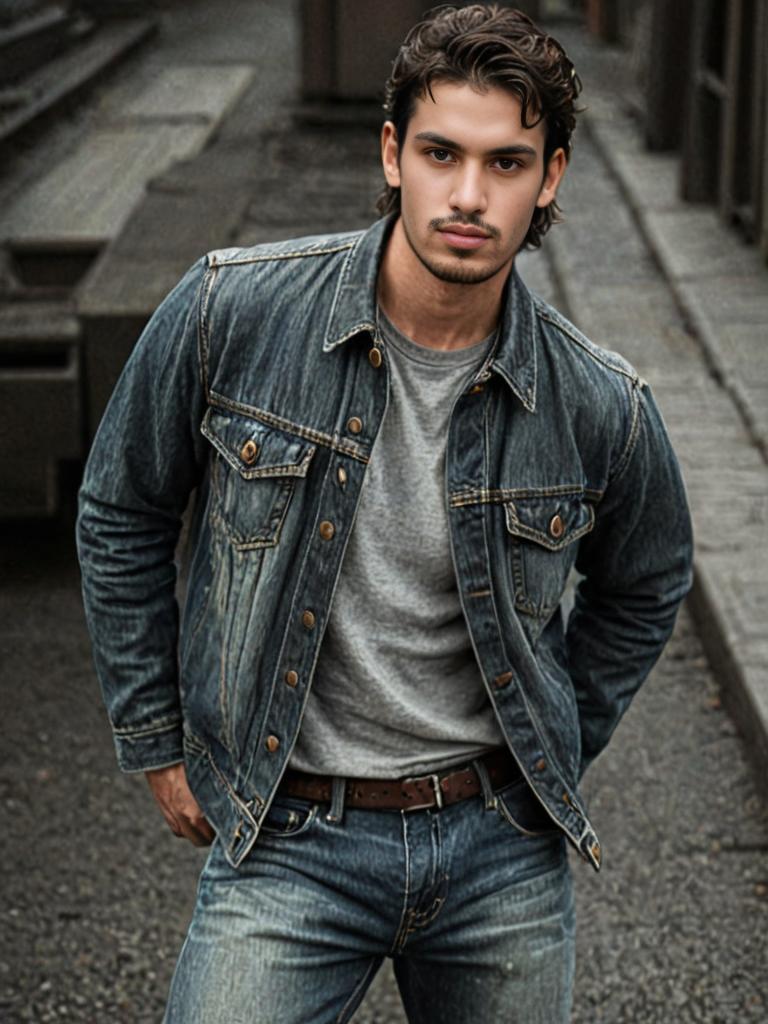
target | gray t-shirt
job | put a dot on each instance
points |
(397, 690)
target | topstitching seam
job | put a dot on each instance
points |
(595, 355)
(634, 433)
(407, 889)
(499, 495)
(291, 254)
(309, 433)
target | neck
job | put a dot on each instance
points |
(432, 312)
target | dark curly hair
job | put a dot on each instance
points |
(486, 45)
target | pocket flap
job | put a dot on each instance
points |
(255, 449)
(553, 521)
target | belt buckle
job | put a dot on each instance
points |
(435, 780)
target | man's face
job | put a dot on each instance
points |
(470, 177)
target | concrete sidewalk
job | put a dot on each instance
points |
(708, 287)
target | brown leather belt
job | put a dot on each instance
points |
(410, 794)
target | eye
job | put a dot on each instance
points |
(507, 163)
(441, 155)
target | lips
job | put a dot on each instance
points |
(460, 236)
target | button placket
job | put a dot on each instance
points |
(313, 585)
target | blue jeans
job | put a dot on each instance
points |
(473, 903)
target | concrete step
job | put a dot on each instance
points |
(85, 200)
(13, 11)
(175, 223)
(40, 405)
(68, 74)
(29, 42)
(28, 323)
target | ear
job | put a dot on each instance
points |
(552, 178)
(390, 154)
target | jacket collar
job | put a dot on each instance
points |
(354, 310)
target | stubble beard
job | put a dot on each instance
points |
(453, 273)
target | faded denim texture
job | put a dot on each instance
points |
(253, 383)
(476, 915)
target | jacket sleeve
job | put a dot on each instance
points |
(636, 569)
(147, 457)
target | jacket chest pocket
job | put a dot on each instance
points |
(543, 533)
(255, 471)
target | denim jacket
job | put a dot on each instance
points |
(261, 383)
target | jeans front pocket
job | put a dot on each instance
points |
(288, 816)
(519, 807)
(254, 473)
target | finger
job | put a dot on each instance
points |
(196, 836)
(200, 840)
(203, 826)
(195, 824)
(193, 815)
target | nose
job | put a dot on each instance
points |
(468, 193)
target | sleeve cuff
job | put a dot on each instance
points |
(144, 751)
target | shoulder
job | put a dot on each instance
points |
(593, 387)
(309, 247)
(592, 360)
(277, 276)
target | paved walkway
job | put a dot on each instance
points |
(97, 893)
(687, 301)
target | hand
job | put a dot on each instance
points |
(180, 809)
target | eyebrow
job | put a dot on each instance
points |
(440, 140)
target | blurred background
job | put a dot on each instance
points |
(135, 136)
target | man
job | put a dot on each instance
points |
(374, 704)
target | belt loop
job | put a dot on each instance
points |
(338, 790)
(485, 783)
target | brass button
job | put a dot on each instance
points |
(354, 425)
(596, 852)
(375, 357)
(476, 389)
(249, 451)
(556, 527)
(308, 618)
(540, 765)
(291, 677)
(567, 800)
(327, 530)
(503, 680)
(341, 475)
(272, 744)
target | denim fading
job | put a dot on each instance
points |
(476, 914)
(252, 385)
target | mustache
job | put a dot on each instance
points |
(472, 220)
